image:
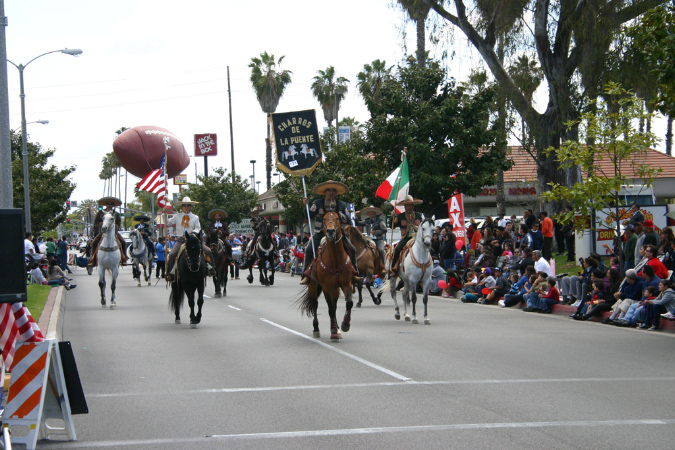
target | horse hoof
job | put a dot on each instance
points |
(113, 305)
(427, 321)
(335, 337)
(249, 279)
(139, 284)
(177, 322)
(149, 283)
(271, 282)
(415, 321)
(317, 334)
(397, 316)
(378, 300)
(193, 325)
(358, 305)
(345, 326)
(407, 318)
(219, 295)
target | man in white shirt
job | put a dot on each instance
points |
(184, 220)
(541, 265)
(28, 246)
(501, 222)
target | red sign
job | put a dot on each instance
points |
(456, 215)
(206, 144)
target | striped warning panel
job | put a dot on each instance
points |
(25, 390)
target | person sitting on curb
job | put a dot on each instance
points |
(664, 303)
(501, 287)
(552, 297)
(629, 293)
(486, 282)
(519, 288)
(539, 289)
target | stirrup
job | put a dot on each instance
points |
(305, 281)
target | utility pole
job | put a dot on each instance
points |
(229, 94)
(6, 196)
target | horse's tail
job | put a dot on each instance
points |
(176, 297)
(306, 303)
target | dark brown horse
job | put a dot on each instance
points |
(222, 256)
(331, 272)
(368, 262)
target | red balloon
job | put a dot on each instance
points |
(486, 291)
(140, 151)
(442, 284)
(459, 244)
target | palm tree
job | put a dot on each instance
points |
(329, 91)
(269, 84)
(370, 81)
(418, 10)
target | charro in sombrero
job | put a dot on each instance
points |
(186, 201)
(110, 201)
(341, 188)
(370, 208)
(215, 211)
(409, 200)
(141, 217)
(255, 211)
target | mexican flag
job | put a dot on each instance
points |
(396, 186)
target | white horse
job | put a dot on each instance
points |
(139, 257)
(307, 151)
(415, 267)
(109, 255)
(290, 153)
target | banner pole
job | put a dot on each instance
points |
(309, 219)
(398, 186)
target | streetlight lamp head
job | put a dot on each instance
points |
(252, 161)
(72, 51)
(43, 122)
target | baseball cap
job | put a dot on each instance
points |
(488, 271)
(648, 223)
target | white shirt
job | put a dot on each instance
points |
(502, 222)
(185, 222)
(543, 266)
(36, 276)
(218, 224)
(28, 246)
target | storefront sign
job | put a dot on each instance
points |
(206, 144)
(456, 215)
(179, 180)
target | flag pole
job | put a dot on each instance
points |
(165, 216)
(398, 186)
(309, 219)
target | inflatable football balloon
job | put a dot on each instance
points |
(140, 151)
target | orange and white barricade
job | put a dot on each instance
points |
(37, 392)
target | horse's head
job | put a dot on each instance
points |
(264, 227)
(193, 248)
(108, 222)
(331, 226)
(212, 238)
(425, 232)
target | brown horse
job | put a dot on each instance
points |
(330, 273)
(368, 262)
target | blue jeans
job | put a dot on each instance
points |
(546, 304)
(532, 300)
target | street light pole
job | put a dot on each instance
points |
(253, 162)
(24, 144)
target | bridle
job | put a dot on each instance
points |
(187, 254)
(332, 219)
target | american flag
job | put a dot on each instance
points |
(16, 323)
(155, 182)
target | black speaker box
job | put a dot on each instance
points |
(12, 259)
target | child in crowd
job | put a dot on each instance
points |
(597, 295)
(487, 281)
(538, 287)
(507, 250)
(454, 284)
(552, 297)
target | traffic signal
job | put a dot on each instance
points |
(68, 204)
(68, 220)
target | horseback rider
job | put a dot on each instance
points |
(330, 189)
(375, 227)
(144, 229)
(250, 248)
(184, 220)
(408, 221)
(221, 228)
(108, 204)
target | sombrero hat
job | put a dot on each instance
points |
(213, 212)
(141, 216)
(409, 200)
(110, 201)
(255, 211)
(186, 201)
(341, 188)
(368, 209)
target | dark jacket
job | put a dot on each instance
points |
(632, 291)
(526, 261)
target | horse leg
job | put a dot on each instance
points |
(377, 299)
(425, 298)
(271, 278)
(359, 288)
(216, 283)
(405, 296)
(314, 291)
(262, 266)
(200, 302)
(149, 274)
(414, 303)
(249, 278)
(224, 279)
(331, 300)
(191, 302)
(392, 291)
(101, 285)
(347, 320)
(113, 285)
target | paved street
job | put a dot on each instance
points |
(251, 376)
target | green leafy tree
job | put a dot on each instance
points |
(571, 40)
(269, 84)
(329, 90)
(616, 140)
(447, 132)
(218, 191)
(49, 188)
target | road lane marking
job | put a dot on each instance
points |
(206, 296)
(361, 431)
(234, 307)
(381, 384)
(391, 373)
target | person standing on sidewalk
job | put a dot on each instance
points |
(161, 260)
(547, 231)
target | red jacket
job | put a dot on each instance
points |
(659, 269)
(547, 227)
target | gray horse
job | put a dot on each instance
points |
(109, 255)
(139, 257)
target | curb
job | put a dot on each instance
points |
(51, 319)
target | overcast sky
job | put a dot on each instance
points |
(163, 63)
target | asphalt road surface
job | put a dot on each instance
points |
(252, 376)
